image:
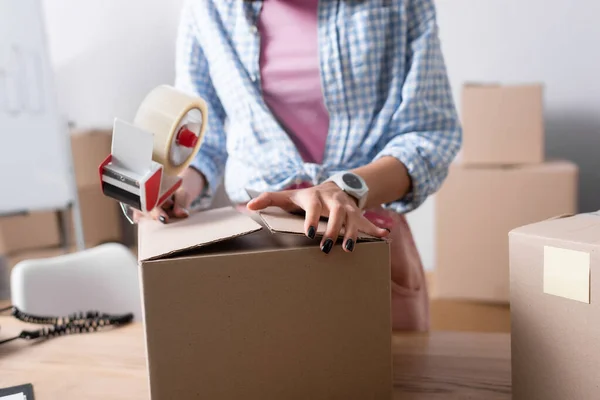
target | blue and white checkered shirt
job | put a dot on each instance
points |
(384, 84)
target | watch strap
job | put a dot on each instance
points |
(339, 181)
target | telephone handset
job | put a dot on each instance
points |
(91, 321)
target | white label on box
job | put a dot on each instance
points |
(567, 273)
(19, 396)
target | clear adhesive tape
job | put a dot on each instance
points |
(178, 122)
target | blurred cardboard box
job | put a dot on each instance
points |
(475, 210)
(502, 124)
(466, 316)
(555, 321)
(221, 293)
(134, 250)
(4, 279)
(90, 148)
(29, 231)
(101, 217)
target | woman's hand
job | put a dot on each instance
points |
(177, 206)
(325, 200)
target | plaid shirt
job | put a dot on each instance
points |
(384, 84)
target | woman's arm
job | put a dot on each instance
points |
(387, 179)
(425, 134)
(423, 139)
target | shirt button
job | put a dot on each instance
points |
(254, 29)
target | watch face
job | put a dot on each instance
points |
(352, 181)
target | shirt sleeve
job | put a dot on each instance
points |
(426, 134)
(192, 76)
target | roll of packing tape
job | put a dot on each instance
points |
(178, 122)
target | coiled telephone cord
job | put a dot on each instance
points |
(91, 321)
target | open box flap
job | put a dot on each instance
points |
(157, 240)
(280, 221)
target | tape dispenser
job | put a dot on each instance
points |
(142, 171)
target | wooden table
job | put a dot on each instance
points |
(111, 365)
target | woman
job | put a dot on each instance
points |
(351, 90)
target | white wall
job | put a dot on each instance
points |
(511, 41)
(109, 53)
(554, 42)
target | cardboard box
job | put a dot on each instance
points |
(555, 315)
(502, 125)
(29, 231)
(89, 149)
(466, 316)
(101, 216)
(43, 230)
(475, 210)
(235, 311)
(4, 279)
(134, 250)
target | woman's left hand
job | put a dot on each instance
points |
(325, 200)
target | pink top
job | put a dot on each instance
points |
(291, 80)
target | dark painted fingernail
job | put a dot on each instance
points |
(350, 245)
(162, 219)
(326, 248)
(311, 232)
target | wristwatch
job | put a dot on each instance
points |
(353, 185)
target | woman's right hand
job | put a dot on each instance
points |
(177, 206)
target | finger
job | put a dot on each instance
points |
(136, 216)
(180, 212)
(311, 203)
(160, 215)
(168, 204)
(272, 199)
(337, 217)
(351, 230)
(369, 228)
(181, 205)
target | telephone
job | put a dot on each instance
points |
(91, 321)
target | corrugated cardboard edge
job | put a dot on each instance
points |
(502, 85)
(481, 84)
(233, 231)
(521, 230)
(558, 163)
(198, 246)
